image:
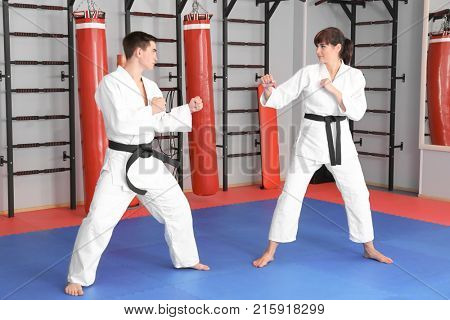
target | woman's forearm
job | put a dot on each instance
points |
(338, 96)
(268, 93)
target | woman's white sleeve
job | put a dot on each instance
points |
(354, 99)
(286, 92)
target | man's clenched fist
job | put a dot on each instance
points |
(196, 104)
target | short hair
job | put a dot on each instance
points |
(136, 39)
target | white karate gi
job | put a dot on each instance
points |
(311, 149)
(128, 121)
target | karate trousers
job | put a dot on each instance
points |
(164, 199)
(350, 182)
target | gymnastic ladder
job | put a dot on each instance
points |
(9, 160)
(227, 7)
(179, 6)
(393, 12)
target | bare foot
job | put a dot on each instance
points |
(371, 253)
(268, 255)
(73, 289)
(263, 260)
(201, 267)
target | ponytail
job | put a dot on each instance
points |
(347, 51)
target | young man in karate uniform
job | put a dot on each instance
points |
(133, 110)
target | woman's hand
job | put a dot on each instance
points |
(196, 104)
(328, 85)
(268, 83)
(158, 105)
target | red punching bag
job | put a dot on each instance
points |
(270, 160)
(438, 88)
(202, 139)
(92, 66)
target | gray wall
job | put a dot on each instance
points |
(435, 175)
(53, 189)
(289, 51)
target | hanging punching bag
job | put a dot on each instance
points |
(92, 66)
(438, 88)
(270, 159)
(202, 138)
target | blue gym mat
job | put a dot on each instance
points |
(322, 264)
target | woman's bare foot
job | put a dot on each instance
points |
(201, 267)
(74, 289)
(264, 260)
(371, 253)
(267, 256)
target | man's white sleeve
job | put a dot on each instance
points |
(131, 120)
(179, 119)
(119, 116)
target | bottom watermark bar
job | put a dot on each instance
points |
(225, 309)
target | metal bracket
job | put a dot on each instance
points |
(257, 143)
(128, 4)
(258, 2)
(66, 156)
(171, 76)
(2, 76)
(180, 6)
(403, 78)
(64, 76)
(217, 77)
(3, 161)
(400, 146)
(257, 76)
(229, 7)
(439, 15)
(358, 142)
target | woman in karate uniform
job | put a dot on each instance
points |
(332, 92)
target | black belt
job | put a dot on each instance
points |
(140, 151)
(335, 157)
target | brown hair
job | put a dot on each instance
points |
(335, 36)
(136, 39)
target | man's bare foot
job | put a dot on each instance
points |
(371, 253)
(74, 289)
(201, 267)
(263, 260)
